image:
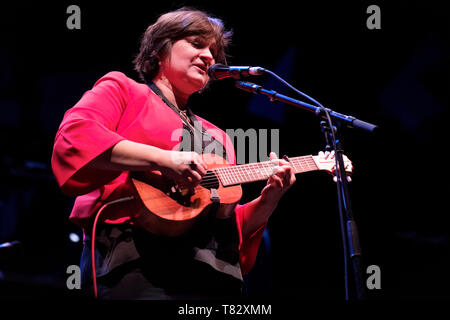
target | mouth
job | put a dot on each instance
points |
(202, 67)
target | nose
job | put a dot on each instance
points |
(206, 56)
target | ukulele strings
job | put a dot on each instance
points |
(265, 170)
(212, 176)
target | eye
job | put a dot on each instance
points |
(197, 43)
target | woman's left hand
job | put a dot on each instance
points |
(279, 182)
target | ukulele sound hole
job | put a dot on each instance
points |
(210, 180)
(182, 196)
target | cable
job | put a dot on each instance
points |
(322, 108)
(94, 276)
(273, 74)
(337, 171)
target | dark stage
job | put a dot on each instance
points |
(396, 77)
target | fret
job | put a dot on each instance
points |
(256, 168)
(295, 165)
(269, 166)
(299, 164)
(251, 172)
(261, 170)
(221, 176)
(224, 177)
(237, 173)
(246, 171)
(241, 174)
(229, 175)
(232, 175)
(304, 164)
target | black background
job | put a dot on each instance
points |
(396, 77)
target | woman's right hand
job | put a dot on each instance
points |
(186, 169)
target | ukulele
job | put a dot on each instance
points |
(171, 211)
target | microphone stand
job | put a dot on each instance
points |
(349, 229)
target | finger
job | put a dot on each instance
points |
(275, 181)
(273, 156)
(196, 177)
(293, 179)
(284, 171)
(278, 171)
(321, 154)
(201, 163)
(287, 177)
(264, 190)
(198, 168)
(185, 183)
(275, 170)
(281, 167)
(280, 164)
(193, 176)
(284, 163)
(349, 168)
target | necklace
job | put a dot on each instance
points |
(182, 113)
(186, 119)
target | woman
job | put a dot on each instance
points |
(122, 126)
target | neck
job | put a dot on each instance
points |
(251, 172)
(177, 98)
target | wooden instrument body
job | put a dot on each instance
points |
(167, 210)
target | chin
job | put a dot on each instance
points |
(197, 84)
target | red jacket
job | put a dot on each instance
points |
(119, 108)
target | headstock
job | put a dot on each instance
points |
(328, 163)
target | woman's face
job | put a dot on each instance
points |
(187, 63)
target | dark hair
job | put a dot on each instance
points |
(173, 26)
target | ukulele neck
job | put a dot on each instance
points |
(252, 172)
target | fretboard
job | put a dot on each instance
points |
(260, 170)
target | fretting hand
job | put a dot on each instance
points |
(279, 182)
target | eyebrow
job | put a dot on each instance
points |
(211, 40)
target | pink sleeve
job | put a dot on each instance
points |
(87, 130)
(248, 247)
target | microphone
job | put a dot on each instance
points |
(219, 71)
